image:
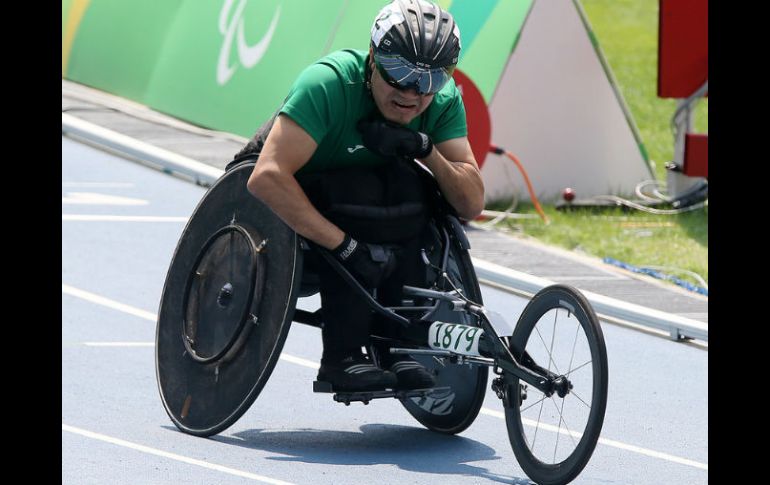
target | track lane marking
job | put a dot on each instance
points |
(313, 365)
(92, 198)
(119, 344)
(172, 456)
(113, 218)
(100, 300)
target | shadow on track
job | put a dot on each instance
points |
(409, 448)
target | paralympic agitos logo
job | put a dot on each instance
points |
(229, 27)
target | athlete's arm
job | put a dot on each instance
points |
(457, 173)
(287, 149)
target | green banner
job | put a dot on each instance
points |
(489, 30)
(232, 63)
(228, 64)
(119, 44)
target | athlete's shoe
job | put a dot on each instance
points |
(355, 373)
(409, 373)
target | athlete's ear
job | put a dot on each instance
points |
(371, 58)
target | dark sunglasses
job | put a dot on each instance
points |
(402, 75)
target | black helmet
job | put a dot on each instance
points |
(416, 44)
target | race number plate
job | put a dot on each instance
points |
(460, 339)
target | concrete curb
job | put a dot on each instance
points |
(609, 309)
(144, 153)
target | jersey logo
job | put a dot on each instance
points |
(355, 148)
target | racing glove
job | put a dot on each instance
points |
(370, 263)
(389, 139)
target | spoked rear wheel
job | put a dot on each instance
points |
(553, 437)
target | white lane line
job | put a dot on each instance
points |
(111, 218)
(300, 361)
(119, 344)
(172, 456)
(286, 357)
(585, 278)
(529, 422)
(654, 454)
(98, 184)
(100, 300)
(489, 412)
(91, 198)
(608, 442)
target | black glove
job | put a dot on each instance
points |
(389, 139)
(370, 263)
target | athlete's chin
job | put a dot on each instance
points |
(400, 118)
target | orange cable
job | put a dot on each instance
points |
(498, 150)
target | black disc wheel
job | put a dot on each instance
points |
(226, 307)
(553, 437)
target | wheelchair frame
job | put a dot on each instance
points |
(504, 349)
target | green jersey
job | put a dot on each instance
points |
(330, 96)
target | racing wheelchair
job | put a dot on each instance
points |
(230, 298)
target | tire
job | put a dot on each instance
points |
(562, 318)
(453, 411)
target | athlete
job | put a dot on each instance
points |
(339, 165)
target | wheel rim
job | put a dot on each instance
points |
(554, 437)
(231, 259)
(553, 426)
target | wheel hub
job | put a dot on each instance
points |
(562, 386)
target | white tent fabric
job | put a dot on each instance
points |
(557, 111)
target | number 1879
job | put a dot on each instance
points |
(462, 339)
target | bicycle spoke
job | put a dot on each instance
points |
(550, 356)
(561, 419)
(574, 344)
(537, 426)
(580, 399)
(533, 404)
(553, 337)
(572, 393)
(578, 367)
(558, 435)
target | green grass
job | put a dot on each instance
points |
(677, 242)
(627, 32)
